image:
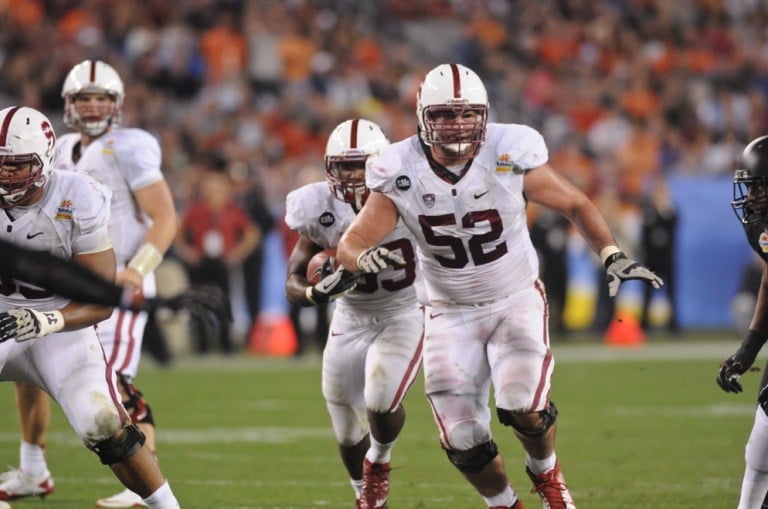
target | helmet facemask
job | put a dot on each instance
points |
(20, 177)
(750, 197)
(452, 131)
(346, 177)
(93, 127)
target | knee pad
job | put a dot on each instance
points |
(474, 459)
(116, 449)
(548, 417)
(136, 406)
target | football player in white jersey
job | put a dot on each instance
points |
(373, 352)
(461, 186)
(46, 340)
(142, 227)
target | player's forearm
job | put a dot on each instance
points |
(77, 315)
(592, 226)
(351, 245)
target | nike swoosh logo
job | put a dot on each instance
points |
(334, 334)
(33, 235)
(435, 315)
(480, 195)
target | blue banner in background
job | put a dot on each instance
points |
(712, 251)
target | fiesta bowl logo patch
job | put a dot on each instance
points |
(403, 183)
(66, 210)
(504, 164)
(326, 219)
(763, 242)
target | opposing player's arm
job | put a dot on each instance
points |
(358, 248)
(739, 363)
(156, 201)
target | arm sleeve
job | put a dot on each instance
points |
(63, 277)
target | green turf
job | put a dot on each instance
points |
(644, 428)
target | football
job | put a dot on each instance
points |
(315, 265)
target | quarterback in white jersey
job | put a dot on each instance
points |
(142, 227)
(46, 340)
(373, 352)
(461, 186)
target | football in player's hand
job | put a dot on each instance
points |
(316, 263)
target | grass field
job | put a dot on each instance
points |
(638, 428)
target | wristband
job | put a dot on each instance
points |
(308, 295)
(50, 321)
(608, 251)
(146, 259)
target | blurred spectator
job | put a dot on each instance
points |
(216, 236)
(657, 245)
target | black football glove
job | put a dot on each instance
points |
(328, 267)
(333, 286)
(205, 301)
(377, 259)
(620, 269)
(739, 363)
(23, 324)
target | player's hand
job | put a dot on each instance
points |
(205, 301)
(620, 269)
(23, 324)
(739, 363)
(333, 286)
(377, 259)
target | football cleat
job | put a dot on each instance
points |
(375, 485)
(124, 499)
(551, 487)
(16, 484)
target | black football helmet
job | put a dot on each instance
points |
(750, 183)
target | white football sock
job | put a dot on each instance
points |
(162, 498)
(357, 485)
(541, 466)
(32, 459)
(506, 498)
(378, 452)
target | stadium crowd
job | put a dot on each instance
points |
(626, 92)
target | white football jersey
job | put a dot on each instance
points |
(315, 213)
(472, 235)
(123, 160)
(71, 218)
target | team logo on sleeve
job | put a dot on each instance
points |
(763, 241)
(326, 219)
(429, 199)
(66, 210)
(403, 183)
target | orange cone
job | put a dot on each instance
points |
(624, 330)
(273, 335)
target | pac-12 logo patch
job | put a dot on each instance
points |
(326, 219)
(763, 241)
(403, 183)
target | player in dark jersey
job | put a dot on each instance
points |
(750, 202)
